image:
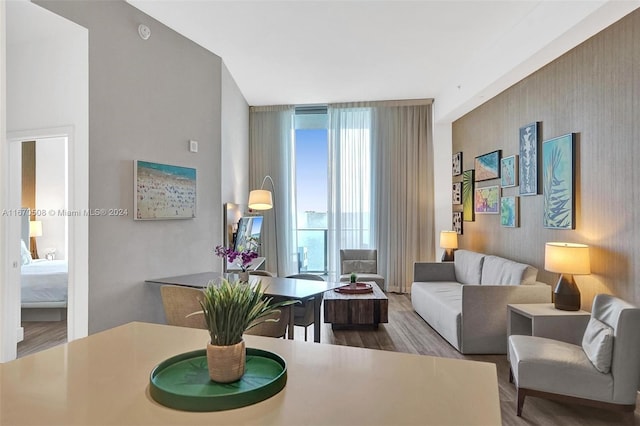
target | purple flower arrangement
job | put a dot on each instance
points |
(241, 258)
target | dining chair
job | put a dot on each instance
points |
(178, 302)
(273, 328)
(303, 313)
(262, 273)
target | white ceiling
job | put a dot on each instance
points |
(459, 52)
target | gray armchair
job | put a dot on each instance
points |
(604, 372)
(363, 262)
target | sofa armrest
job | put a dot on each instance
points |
(484, 313)
(432, 271)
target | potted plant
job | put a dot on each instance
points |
(242, 257)
(229, 310)
(352, 280)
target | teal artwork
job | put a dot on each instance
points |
(557, 179)
(509, 212)
(487, 166)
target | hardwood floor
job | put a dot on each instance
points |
(408, 332)
(405, 332)
(41, 335)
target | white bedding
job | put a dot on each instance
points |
(44, 281)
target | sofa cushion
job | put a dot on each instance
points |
(468, 266)
(597, 344)
(440, 304)
(363, 266)
(500, 271)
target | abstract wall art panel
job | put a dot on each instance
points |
(467, 196)
(509, 211)
(529, 159)
(558, 182)
(487, 166)
(509, 171)
(487, 200)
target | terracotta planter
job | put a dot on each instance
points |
(226, 363)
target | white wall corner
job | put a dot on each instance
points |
(442, 151)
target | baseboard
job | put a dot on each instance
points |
(44, 314)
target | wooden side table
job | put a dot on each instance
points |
(544, 320)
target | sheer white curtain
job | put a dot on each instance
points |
(402, 146)
(351, 214)
(271, 153)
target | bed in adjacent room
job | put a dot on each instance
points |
(44, 288)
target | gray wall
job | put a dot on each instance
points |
(146, 100)
(594, 91)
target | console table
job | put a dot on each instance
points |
(103, 379)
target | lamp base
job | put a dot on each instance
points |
(566, 296)
(447, 256)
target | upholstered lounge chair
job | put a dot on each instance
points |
(363, 262)
(603, 372)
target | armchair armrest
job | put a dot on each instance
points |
(432, 271)
(484, 313)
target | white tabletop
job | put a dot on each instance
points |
(104, 379)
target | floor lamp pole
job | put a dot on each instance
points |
(275, 217)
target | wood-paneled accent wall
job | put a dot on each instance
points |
(594, 91)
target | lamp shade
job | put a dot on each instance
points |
(448, 239)
(260, 199)
(35, 228)
(567, 258)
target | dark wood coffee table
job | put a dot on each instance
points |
(356, 310)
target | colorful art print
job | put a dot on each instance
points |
(467, 196)
(456, 223)
(163, 191)
(456, 163)
(558, 182)
(509, 171)
(487, 200)
(487, 166)
(456, 191)
(509, 211)
(529, 159)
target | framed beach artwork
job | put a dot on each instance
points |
(487, 166)
(456, 164)
(468, 215)
(456, 222)
(509, 211)
(529, 159)
(487, 200)
(456, 191)
(509, 171)
(558, 182)
(163, 191)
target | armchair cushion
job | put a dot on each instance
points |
(597, 344)
(362, 266)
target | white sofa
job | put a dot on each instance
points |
(466, 300)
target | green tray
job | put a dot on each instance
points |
(182, 382)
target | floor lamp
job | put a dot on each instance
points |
(261, 199)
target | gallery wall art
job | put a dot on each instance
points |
(529, 159)
(456, 193)
(467, 196)
(487, 166)
(558, 182)
(456, 223)
(509, 171)
(456, 164)
(487, 200)
(509, 211)
(163, 191)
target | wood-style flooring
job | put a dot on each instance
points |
(406, 332)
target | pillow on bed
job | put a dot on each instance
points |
(25, 253)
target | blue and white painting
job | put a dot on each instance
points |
(163, 191)
(509, 171)
(529, 159)
(557, 178)
(487, 166)
(509, 212)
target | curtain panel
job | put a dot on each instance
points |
(402, 146)
(271, 153)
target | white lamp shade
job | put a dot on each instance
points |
(260, 199)
(448, 239)
(35, 228)
(567, 258)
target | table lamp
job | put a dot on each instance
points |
(35, 230)
(567, 259)
(449, 242)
